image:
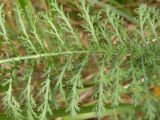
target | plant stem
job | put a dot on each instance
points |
(87, 111)
(20, 58)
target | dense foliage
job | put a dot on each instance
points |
(44, 60)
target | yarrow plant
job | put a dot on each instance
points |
(44, 58)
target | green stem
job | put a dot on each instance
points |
(87, 111)
(20, 58)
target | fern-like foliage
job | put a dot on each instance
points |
(48, 39)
